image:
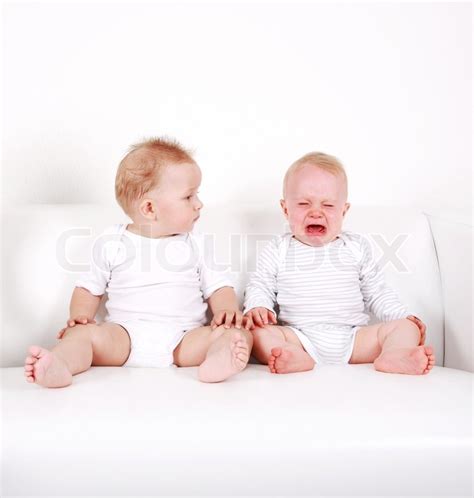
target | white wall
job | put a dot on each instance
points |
(386, 87)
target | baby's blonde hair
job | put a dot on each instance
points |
(324, 161)
(140, 170)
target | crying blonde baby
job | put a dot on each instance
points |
(324, 280)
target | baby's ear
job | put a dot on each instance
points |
(148, 209)
(346, 208)
(283, 207)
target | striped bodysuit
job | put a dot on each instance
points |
(323, 293)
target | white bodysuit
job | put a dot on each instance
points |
(323, 292)
(156, 288)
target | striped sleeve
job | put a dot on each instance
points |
(261, 289)
(379, 298)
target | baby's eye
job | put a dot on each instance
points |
(329, 205)
(190, 196)
(302, 203)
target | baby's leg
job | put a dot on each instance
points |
(220, 353)
(393, 347)
(80, 347)
(280, 348)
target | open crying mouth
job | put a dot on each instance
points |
(316, 229)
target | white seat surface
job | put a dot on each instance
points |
(339, 430)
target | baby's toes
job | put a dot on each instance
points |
(240, 343)
(30, 360)
(29, 376)
(241, 346)
(431, 361)
(429, 350)
(429, 366)
(35, 351)
(241, 355)
(271, 364)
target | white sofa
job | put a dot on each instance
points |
(337, 430)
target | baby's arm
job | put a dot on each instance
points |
(82, 309)
(260, 294)
(225, 309)
(379, 298)
(217, 288)
(91, 285)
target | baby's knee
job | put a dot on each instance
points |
(81, 331)
(265, 331)
(221, 330)
(398, 326)
(260, 335)
(412, 327)
(248, 336)
(258, 332)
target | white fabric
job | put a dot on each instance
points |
(455, 255)
(341, 430)
(151, 343)
(331, 284)
(328, 344)
(164, 280)
(323, 292)
(156, 288)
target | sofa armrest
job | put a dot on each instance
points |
(452, 234)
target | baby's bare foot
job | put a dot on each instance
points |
(46, 369)
(414, 361)
(290, 359)
(226, 357)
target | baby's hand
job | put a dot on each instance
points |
(227, 318)
(261, 316)
(420, 325)
(80, 320)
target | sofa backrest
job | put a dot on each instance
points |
(45, 246)
(452, 234)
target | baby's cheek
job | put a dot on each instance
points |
(336, 220)
(298, 222)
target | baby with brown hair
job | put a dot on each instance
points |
(158, 282)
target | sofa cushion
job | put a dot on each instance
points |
(337, 430)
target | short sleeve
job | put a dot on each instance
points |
(213, 275)
(104, 252)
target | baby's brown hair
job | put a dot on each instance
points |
(140, 170)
